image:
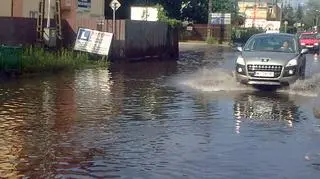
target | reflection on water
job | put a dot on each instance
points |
(39, 122)
(263, 107)
(127, 122)
(69, 125)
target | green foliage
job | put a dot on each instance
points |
(290, 29)
(37, 60)
(288, 15)
(172, 7)
(195, 11)
(163, 17)
(241, 35)
(312, 13)
(299, 14)
(212, 40)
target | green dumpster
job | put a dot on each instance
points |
(10, 58)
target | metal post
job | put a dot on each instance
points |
(285, 26)
(281, 8)
(114, 19)
(49, 11)
(209, 13)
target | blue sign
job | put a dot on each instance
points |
(84, 34)
(84, 4)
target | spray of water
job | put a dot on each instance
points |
(211, 80)
(307, 87)
(218, 79)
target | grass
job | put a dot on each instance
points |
(212, 40)
(38, 60)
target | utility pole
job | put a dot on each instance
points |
(209, 18)
(49, 12)
(254, 14)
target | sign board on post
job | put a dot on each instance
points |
(84, 4)
(93, 41)
(220, 18)
(114, 4)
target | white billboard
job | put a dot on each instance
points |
(220, 18)
(144, 13)
(262, 23)
(93, 41)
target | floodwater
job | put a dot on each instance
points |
(164, 119)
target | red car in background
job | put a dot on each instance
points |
(310, 40)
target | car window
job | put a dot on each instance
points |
(270, 43)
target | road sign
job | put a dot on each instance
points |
(93, 41)
(115, 4)
(220, 18)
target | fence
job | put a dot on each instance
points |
(198, 32)
(132, 39)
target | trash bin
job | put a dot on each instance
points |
(10, 58)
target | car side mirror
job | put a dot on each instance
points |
(304, 51)
(239, 49)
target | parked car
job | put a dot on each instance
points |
(310, 40)
(271, 59)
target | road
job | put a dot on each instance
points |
(164, 119)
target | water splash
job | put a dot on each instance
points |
(308, 87)
(211, 80)
(218, 79)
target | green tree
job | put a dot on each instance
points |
(312, 13)
(195, 11)
(299, 14)
(288, 15)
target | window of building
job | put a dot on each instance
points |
(33, 14)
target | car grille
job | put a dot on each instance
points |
(272, 68)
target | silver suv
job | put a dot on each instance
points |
(271, 59)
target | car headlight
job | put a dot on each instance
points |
(316, 44)
(240, 60)
(292, 62)
(303, 43)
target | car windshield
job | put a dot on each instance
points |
(308, 36)
(272, 43)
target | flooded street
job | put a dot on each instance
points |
(167, 119)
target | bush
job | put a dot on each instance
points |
(212, 40)
(36, 60)
(241, 35)
(162, 16)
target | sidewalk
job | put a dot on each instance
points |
(204, 43)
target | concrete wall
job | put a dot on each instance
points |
(17, 8)
(29, 6)
(5, 8)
